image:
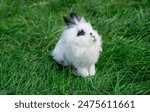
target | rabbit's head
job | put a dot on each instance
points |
(79, 31)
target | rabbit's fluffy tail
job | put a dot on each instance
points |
(57, 53)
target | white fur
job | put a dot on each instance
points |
(81, 52)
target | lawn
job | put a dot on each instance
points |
(30, 29)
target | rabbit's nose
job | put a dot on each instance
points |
(94, 39)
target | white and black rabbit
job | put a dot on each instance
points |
(79, 46)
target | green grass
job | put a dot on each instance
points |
(29, 30)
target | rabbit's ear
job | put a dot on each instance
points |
(74, 17)
(69, 22)
(83, 20)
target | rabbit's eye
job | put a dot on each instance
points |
(80, 32)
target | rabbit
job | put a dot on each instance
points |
(80, 46)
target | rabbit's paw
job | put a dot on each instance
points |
(81, 72)
(92, 70)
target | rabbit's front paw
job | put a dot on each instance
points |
(81, 72)
(92, 70)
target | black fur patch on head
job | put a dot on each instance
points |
(80, 32)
